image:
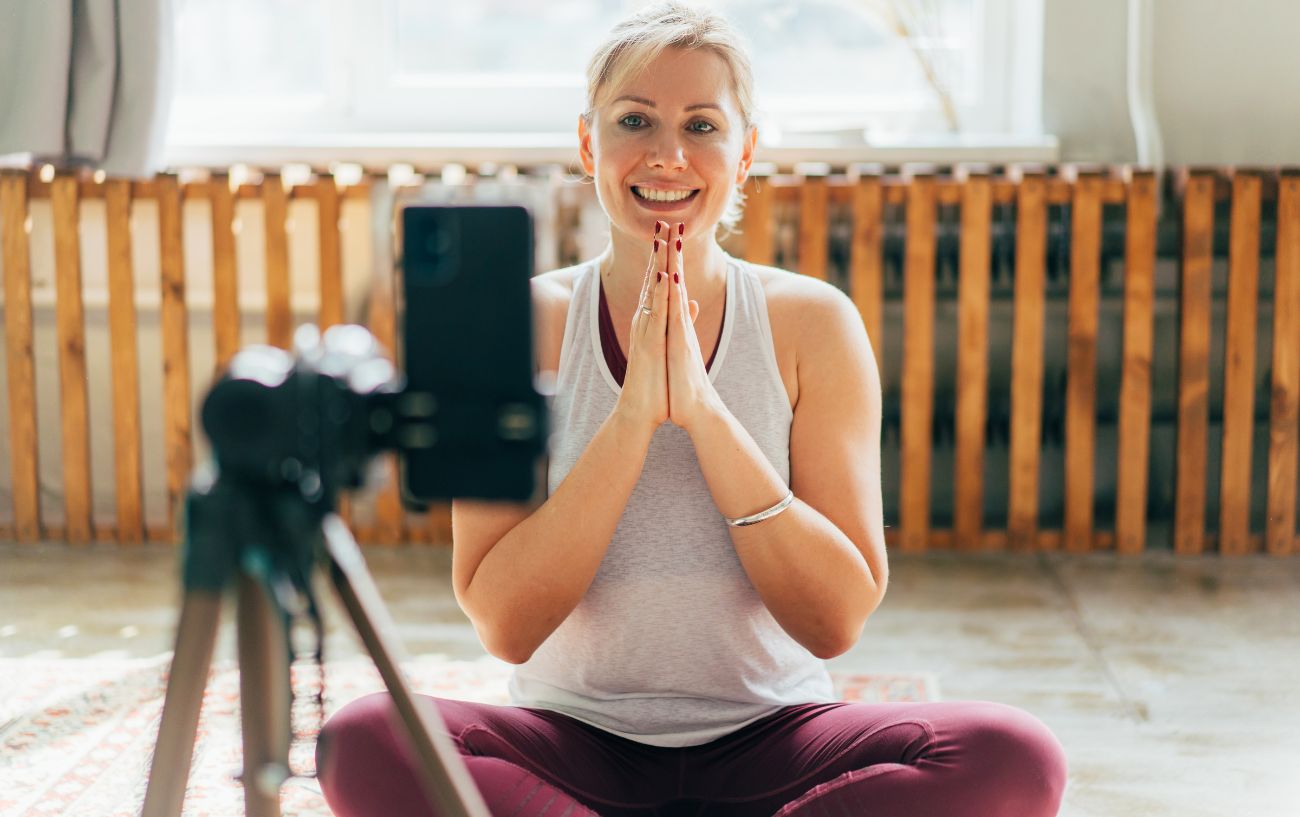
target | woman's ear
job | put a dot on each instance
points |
(584, 147)
(747, 155)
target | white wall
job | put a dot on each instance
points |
(1226, 77)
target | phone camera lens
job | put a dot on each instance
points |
(438, 242)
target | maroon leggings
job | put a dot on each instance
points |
(935, 759)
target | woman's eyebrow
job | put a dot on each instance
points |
(643, 101)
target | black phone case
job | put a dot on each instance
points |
(467, 340)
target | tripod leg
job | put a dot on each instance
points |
(447, 782)
(264, 697)
(196, 636)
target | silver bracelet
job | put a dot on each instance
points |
(761, 515)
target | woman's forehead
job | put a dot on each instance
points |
(678, 78)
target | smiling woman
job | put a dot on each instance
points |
(712, 530)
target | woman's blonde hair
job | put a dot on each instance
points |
(636, 41)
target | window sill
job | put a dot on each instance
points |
(422, 150)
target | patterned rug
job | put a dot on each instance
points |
(76, 735)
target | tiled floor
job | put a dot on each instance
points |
(1173, 683)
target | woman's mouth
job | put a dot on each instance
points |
(663, 200)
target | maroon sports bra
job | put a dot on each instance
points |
(614, 357)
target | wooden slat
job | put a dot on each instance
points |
(174, 323)
(331, 264)
(439, 523)
(279, 317)
(19, 358)
(128, 483)
(813, 227)
(866, 267)
(225, 280)
(1193, 363)
(1285, 407)
(1081, 375)
(331, 301)
(917, 385)
(1134, 433)
(1027, 364)
(756, 220)
(388, 523)
(972, 362)
(71, 323)
(1239, 366)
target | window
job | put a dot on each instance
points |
(276, 70)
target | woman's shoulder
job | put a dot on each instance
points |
(552, 293)
(790, 294)
(558, 281)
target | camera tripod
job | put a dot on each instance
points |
(258, 526)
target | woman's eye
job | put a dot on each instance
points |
(703, 127)
(635, 121)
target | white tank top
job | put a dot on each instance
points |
(671, 645)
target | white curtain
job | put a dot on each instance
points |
(86, 82)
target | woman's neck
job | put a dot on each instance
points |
(623, 264)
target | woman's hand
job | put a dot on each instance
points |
(691, 396)
(644, 398)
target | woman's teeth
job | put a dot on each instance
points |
(663, 195)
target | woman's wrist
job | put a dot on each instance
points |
(630, 428)
(712, 413)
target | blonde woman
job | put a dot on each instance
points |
(712, 529)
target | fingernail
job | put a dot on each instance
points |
(677, 279)
(681, 228)
(656, 245)
(679, 245)
(656, 228)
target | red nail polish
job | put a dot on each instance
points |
(656, 228)
(677, 279)
(681, 228)
(656, 245)
(679, 245)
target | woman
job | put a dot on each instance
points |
(670, 604)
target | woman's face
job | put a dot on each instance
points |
(669, 145)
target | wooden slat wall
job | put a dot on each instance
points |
(279, 310)
(20, 358)
(129, 476)
(813, 224)
(972, 363)
(1239, 366)
(869, 198)
(1285, 408)
(866, 264)
(225, 277)
(388, 526)
(918, 367)
(1027, 363)
(174, 322)
(1081, 375)
(756, 220)
(1194, 363)
(73, 396)
(1134, 432)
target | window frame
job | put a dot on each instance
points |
(364, 102)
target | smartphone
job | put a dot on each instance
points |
(467, 352)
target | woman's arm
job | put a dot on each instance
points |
(529, 576)
(820, 565)
(518, 583)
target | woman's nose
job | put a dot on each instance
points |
(668, 153)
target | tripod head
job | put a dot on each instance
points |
(315, 421)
